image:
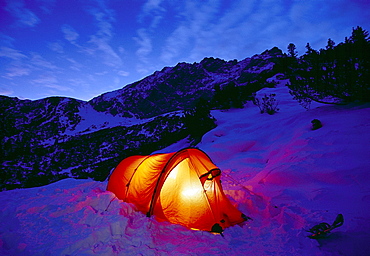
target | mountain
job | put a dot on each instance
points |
(178, 87)
(275, 169)
(54, 138)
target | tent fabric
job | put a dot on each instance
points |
(183, 187)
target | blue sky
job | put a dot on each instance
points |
(82, 48)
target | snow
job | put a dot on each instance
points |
(276, 170)
(92, 120)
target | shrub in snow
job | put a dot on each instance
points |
(198, 121)
(267, 104)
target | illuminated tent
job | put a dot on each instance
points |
(182, 187)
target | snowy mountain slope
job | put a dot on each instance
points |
(46, 140)
(90, 154)
(276, 170)
(179, 87)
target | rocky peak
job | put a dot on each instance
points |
(176, 88)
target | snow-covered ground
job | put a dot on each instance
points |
(92, 120)
(277, 170)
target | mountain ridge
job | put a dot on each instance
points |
(56, 137)
(200, 78)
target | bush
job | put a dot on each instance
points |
(267, 104)
(198, 121)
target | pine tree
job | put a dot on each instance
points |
(359, 35)
(292, 52)
(309, 49)
(330, 45)
(340, 73)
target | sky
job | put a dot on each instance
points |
(83, 48)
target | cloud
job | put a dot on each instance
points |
(38, 61)
(18, 65)
(60, 88)
(121, 50)
(50, 81)
(101, 73)
(56, 47)
(45, 80)
(70, 34)
(145, 48)
(22, 65)
(198, 19)
(145, 45)
(239, 29)
(11, 53)
(123, 73)
(110, 57)
(104, 18)
(77, 66)
(16, 71)
(79, 83)
(6, 40)
(24, 16)
(6, 91)
(101, 39)
(152, 6)
(152, 13)
(176, 43)
(47, 5)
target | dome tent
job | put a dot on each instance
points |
(183, 187)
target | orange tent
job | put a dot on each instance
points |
(182, 187)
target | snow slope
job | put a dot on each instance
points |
(278, 171)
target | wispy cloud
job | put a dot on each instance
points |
(17, 71)
(75, 65)
(70, 34)
(150, 17)
(45, 80)
(6, 91)
(24, 16)
(47, 5)
(6, 40)
(152, 13)
(100, 41)
(12, 53)
(145, 45)
(151, 6)
(51, 81)
(21, 64)
(123, 73)
(39, 62)
(17, 65)
(78, 83)
(56, 47)
(101, 73)
(104, 18)
(198, 20)
(101, 44)
(246, 27)
(176, 43)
